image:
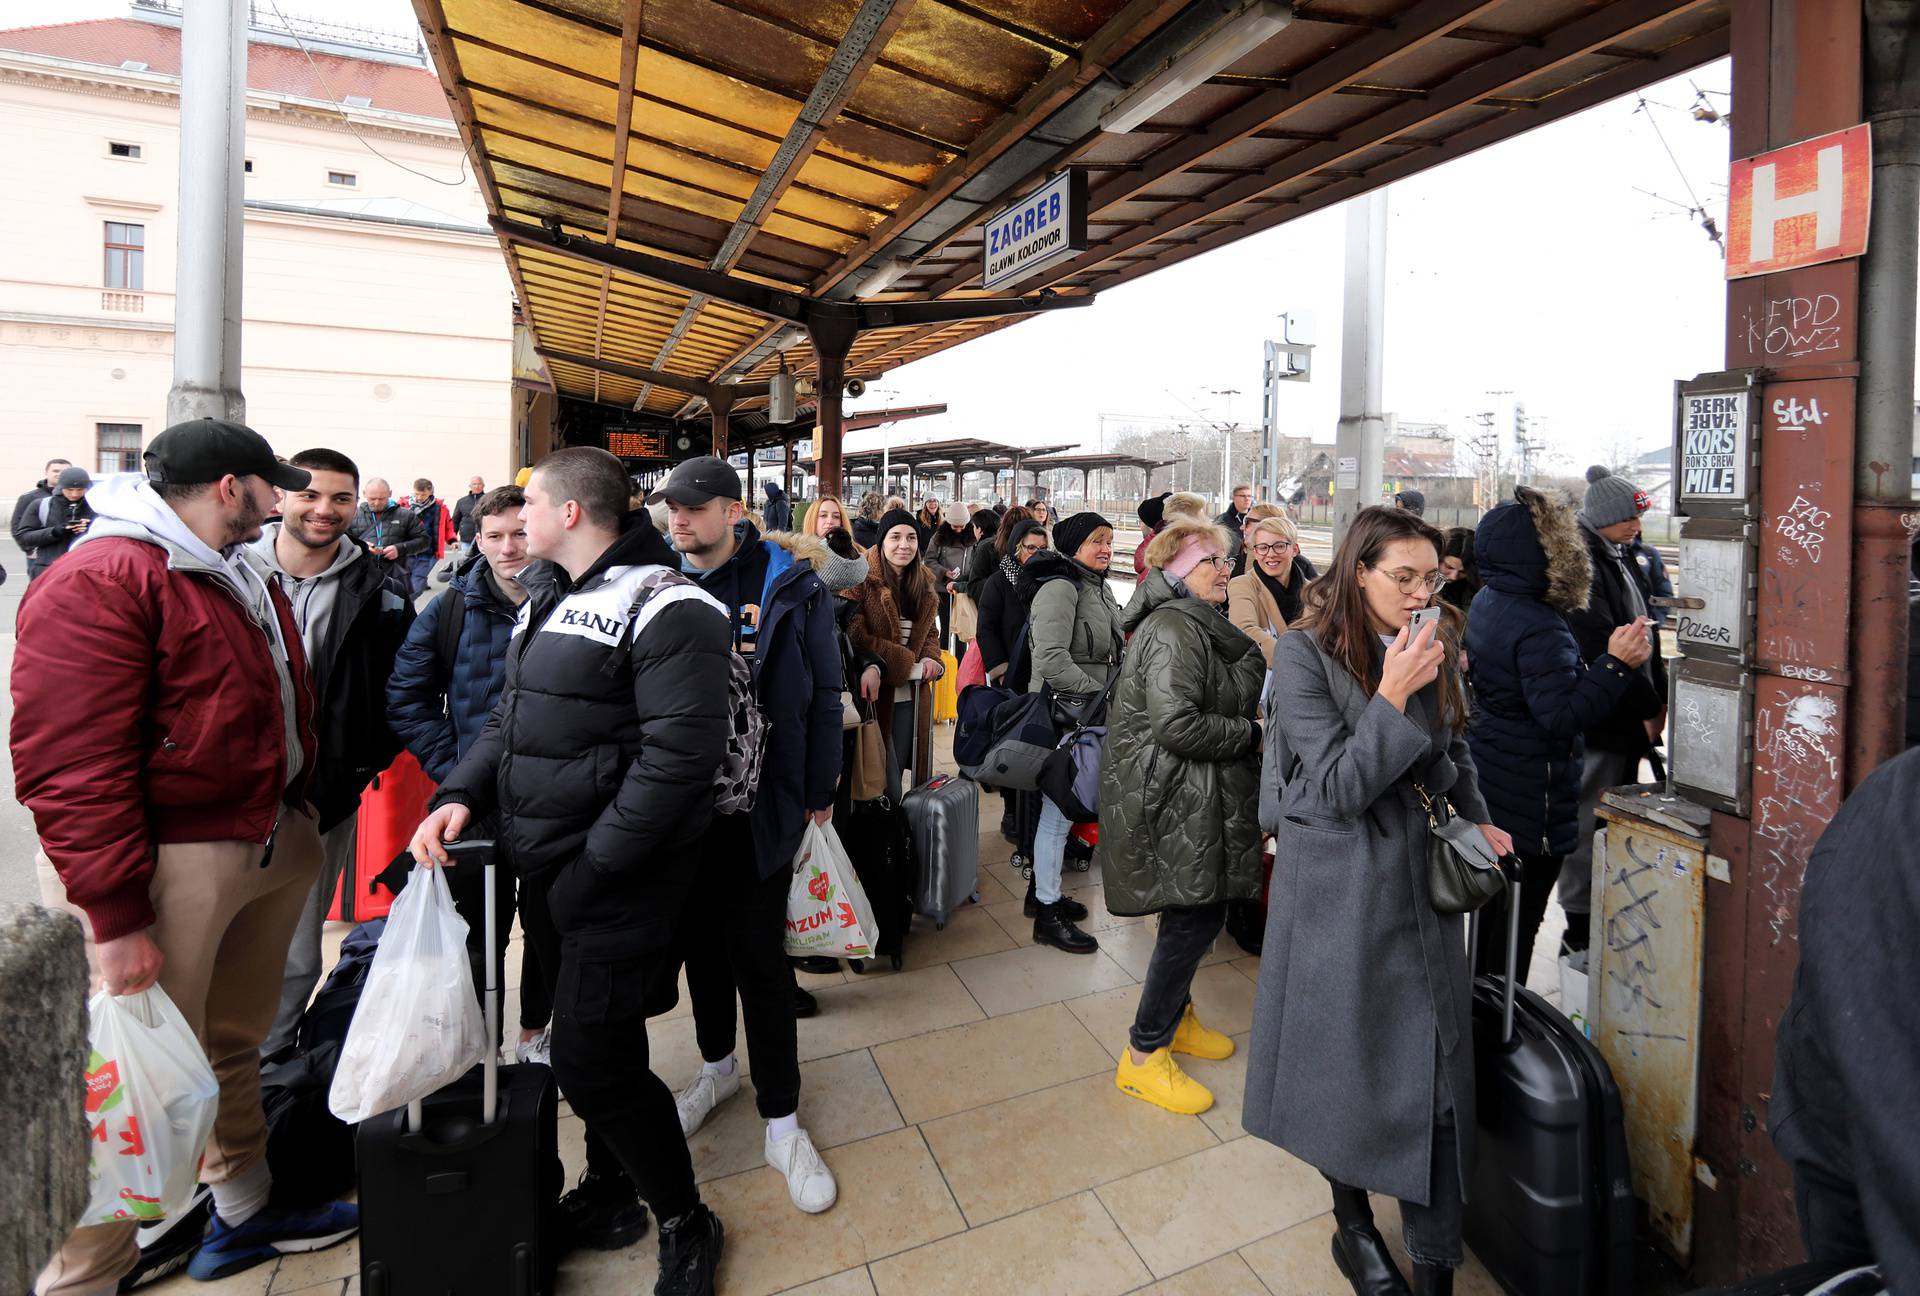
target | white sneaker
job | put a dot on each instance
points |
(697, 1101)
(538, 1049)
(809, 1182)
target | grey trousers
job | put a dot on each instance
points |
(303, 954)
(1602, 770)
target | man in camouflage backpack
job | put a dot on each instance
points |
(734, 934)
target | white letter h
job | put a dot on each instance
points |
(1822, 202)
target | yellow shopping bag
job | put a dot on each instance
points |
(946, 690)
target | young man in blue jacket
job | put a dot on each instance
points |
(734, 930)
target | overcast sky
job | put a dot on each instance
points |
(1535, 267)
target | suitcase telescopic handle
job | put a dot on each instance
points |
(478, 850)
(1512, 896)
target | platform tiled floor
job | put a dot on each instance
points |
(967, 1106)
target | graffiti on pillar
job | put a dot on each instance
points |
(1802, 529)
(1790, 328)
(1633, 968)
(1797, 763)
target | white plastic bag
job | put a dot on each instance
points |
(418, 1026)
(151, 1099)
(827, 912)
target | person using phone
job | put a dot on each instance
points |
(1535, 694)
(1361, 1061)
(60, 519)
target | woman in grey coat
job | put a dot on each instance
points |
(1361, 1062)
(1074, 631)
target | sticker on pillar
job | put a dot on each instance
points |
(1800, 205)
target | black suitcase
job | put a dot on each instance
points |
(459, 1193)
(1550, 1203)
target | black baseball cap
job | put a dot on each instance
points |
(207, 449)
(698, 480)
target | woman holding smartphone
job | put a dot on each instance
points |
(1361, 1061)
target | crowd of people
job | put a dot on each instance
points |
(611, 685)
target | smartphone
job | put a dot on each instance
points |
(1421, 619)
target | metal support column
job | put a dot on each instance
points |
(1360, 440)
(1884, 439)
(213, 146)
(720, 406)
(787, 483)
(832, 335)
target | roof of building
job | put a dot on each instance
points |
(272, 68)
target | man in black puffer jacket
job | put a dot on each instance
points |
(601, 759)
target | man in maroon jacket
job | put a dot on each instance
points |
(163, 737)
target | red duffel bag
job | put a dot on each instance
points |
(390, 809)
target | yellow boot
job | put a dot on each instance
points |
(1160, 1081)
(1199, 1041)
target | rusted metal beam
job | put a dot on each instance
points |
(1675, 59)
(622, 124)
(1575, 40)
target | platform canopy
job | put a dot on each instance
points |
(687, 189)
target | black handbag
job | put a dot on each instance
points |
(1462, 870)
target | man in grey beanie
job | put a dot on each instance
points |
(1609, 520)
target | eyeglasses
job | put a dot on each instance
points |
(1269, 550)
(1031, 548)
(1409, 581)
(1219, 563)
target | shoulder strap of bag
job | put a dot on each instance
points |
(1094, 705)
(650, 585)
(446, 632)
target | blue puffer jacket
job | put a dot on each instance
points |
(1533, 695)
(439, 712)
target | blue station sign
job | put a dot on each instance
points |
(1047, 226)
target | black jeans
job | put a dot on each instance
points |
(1185, 937)
(608, 944)
(1433, 1232)
(734, 940)
(1537, 876)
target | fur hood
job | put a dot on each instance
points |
(835, 572)
(1532, 546)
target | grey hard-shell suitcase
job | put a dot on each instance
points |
(944, 813)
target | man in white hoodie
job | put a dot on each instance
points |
(163, 739)
(353, 615)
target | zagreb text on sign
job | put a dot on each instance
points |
(1048, 224)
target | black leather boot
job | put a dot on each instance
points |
(1070, 909)
(1052, 927)
(1359, 1250)
(1432, 1280)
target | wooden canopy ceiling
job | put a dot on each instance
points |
(802, 149)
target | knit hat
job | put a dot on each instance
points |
(897, 518)
(1191, 554)
(1152, 512)
(1611, 499)
(1413, 501)
(1069, 535)
(74, 476)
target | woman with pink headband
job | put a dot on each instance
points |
(1179, 830)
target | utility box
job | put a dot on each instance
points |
(1644, 976)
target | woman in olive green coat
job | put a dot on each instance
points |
(1179, 792)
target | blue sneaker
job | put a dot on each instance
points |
(274, 1232)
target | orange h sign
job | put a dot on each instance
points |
(1800, 205)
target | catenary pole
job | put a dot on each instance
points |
(1360, 440)
(213, 135)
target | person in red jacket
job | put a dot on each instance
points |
(163, 737)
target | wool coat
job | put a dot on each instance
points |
(1179, 780)
(1251, 607)
(1362, 1025)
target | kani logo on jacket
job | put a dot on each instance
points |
(609, 627)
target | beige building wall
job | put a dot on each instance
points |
(388, 341)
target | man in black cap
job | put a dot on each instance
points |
(163, 737)
(734, 932)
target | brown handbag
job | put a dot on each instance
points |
(868, 778)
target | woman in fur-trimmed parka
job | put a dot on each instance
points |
(1533, 695)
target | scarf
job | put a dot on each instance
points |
(1010, 568)
(1287, 599)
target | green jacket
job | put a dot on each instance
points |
(1179, 782)
(1075, 634)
